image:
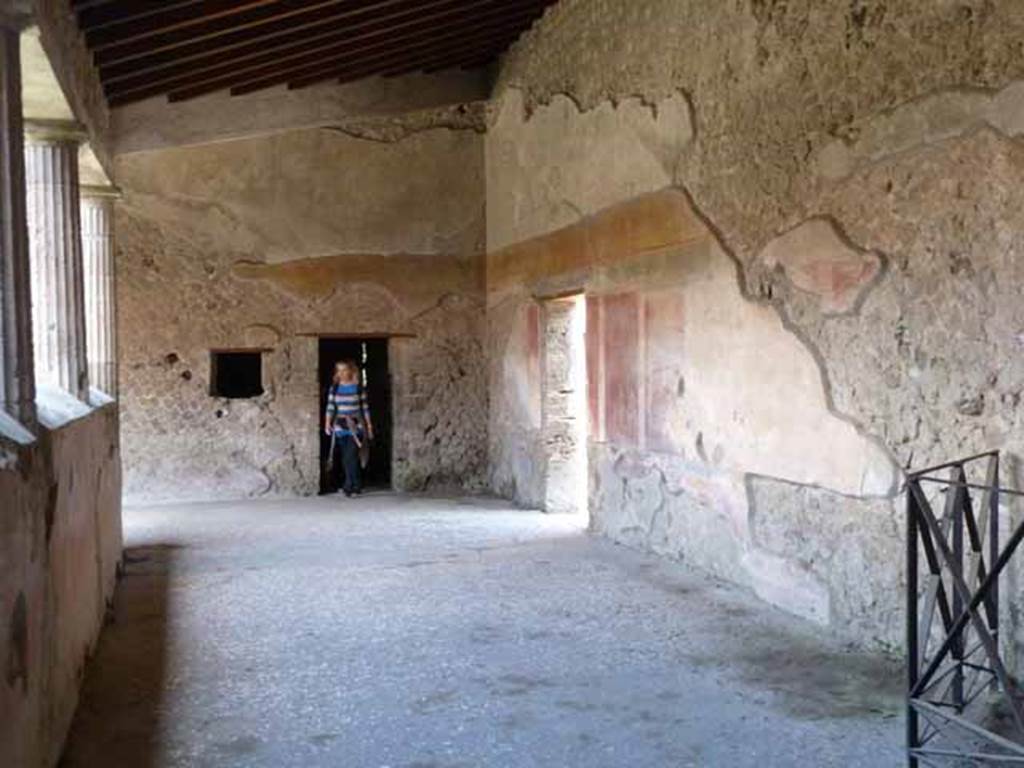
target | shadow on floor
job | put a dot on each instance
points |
(118, 716)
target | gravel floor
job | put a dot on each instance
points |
(431, 633)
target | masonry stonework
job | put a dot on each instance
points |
(270, 243)
(847, 302)
(60, 542)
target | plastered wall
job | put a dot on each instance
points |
(268, 243)
(72, 67)
(60, 546)
(799, 228)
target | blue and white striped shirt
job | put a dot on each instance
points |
(346, 406)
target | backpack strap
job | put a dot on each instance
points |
(361, 394)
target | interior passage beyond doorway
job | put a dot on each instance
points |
(372, 356)
(565, 405)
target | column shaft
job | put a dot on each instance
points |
(100, 298)
(55, 247)
(17, 384)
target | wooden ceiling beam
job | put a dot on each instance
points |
(491, 13)
(182, 22)
(84, 5)
(437, 63)
(187, 48)
(163, 50)
(109, 44)
(315, 20)
(245, 42)
(402, 23)
(98, 14)
(485, 47)
(360, 60)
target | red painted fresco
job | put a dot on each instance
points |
(533, 371)
(621, 348)
(593, 347)
(663, 339)
(533, 337)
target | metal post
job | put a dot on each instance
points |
(993, 549)
(913, 662)
(957, 475)
(942, 681)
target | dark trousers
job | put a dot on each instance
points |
(347, 472)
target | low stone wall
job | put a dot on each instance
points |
(60, 546)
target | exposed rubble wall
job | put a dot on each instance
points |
(269, 243)
(60, 546)
(844, 297)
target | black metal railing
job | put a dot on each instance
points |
(953, 646)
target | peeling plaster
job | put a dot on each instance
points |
(555, 165)
(929, 120)
(810, 116)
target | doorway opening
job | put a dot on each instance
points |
(564, 405)
(372, 356)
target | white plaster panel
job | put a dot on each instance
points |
(548, 170)
(922, 122)
(315, 193)
(755, 393)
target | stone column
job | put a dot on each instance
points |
(97, 208)
(17, 384)
(55, 250)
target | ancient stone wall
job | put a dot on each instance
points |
(846, 302)
(60, 546)
(269, 243)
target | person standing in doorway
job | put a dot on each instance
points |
(347, 419)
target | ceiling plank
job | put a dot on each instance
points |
(118, 11)
(389, 38)
(315, 20)
(244, 42)
(109, 46)
(84, 5)
(485, 47)
(361, 61)
(437, 63)
(360, 27)
(187, 48)
(457, 61)
(183, 21)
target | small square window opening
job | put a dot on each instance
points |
(236, 373)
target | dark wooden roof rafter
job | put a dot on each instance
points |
(351, 41)
(471, 48)
(187, 48)
(297, 71)
(242, 44)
